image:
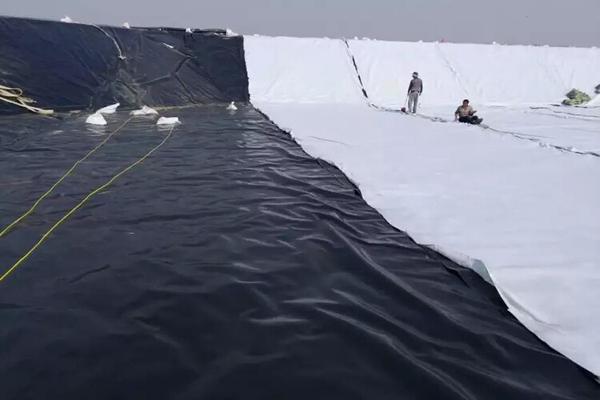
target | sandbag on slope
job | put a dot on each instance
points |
(300, 70)
(74, 66)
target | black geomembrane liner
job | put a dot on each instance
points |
(73, 66)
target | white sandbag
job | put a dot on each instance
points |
(109, 109)
(145, 110)
(168, 121)
(95, 119)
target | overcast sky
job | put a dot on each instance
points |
(554, 22)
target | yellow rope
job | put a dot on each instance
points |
(15, 96)
(81, 204)
(62, 178)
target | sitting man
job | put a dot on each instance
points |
(466, 114)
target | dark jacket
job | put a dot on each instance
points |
(416, 85)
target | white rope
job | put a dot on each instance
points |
(15, 96)
(121, 56)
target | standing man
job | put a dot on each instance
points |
(415, 89)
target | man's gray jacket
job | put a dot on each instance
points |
(416, 85)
